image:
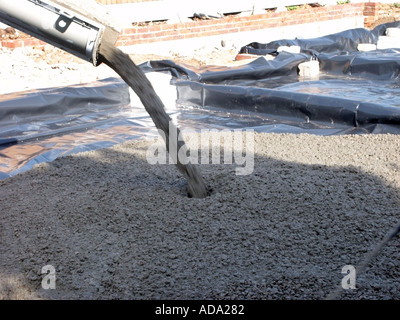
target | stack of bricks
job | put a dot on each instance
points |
(371, 11)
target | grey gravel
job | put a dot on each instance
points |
(115, 227)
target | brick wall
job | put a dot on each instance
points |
(19, 43)
(157, 32)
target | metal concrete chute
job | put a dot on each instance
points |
(59, 25)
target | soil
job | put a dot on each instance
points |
(27, 68)
(115, 227)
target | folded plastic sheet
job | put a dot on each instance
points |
(29, 115)
(42, 125)
(341, 42)
(355, 93)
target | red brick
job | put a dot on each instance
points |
(178, 37)
(245, 56)
(160, 34)
(12, 44)
(128, 31)
(232, 30)
(273, 25)
(147, 35)
(185, 31)
(169, 38)
(154, 28)
(249, 28)
(142, 30)
(190, 24)
(32, 42)
(190, 36)
(168, 26)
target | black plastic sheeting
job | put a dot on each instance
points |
(36, 114)
(42, 125)
(355, 93)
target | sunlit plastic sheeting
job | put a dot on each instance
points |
(370, 65)
(345, 41)
(31, 115)
(380, 65)
(42, 125)
(19, 157)
(298, 109)
(283, 65)
(354, 93)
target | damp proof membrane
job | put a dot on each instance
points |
(42, 125)
(354, 93)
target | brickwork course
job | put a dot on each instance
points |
(151, 32)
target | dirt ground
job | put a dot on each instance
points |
(114, 226)
(24, 69)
